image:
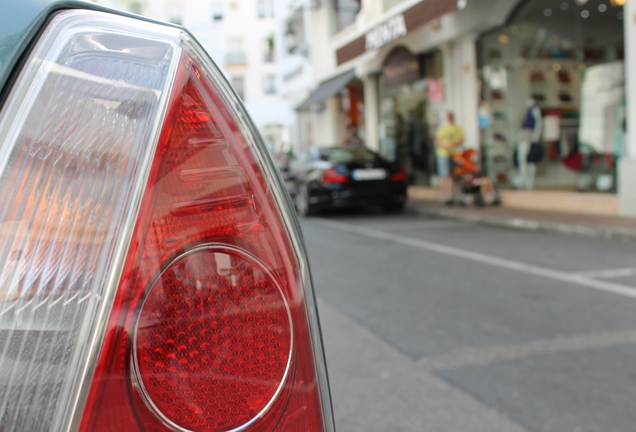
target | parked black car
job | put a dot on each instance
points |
(345, 177)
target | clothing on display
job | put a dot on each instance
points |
(602, 91)
(575, 76)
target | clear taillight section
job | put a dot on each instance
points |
(74, 137)
(150, 274)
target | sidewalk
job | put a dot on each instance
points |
(586, 218)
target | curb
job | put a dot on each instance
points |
(525, 224)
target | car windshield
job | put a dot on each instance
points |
(344, 155)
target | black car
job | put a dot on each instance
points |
(346, 177)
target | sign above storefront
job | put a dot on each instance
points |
(385, 33)
(400, 67)
(395, 27)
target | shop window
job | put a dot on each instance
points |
(269, 84)
(432, 65)
(574, 74)
(346, 12)
(410, 109)
(238, 83)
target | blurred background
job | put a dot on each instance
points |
(307, 68)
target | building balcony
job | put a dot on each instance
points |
(268, 57)
(235, 58)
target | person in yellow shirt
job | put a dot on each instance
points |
(448, 140)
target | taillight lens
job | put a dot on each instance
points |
(331, 175)
(400, 175)
(207, 328)
(213, 340)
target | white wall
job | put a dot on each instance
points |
(462, 87)
(371, 120)
(627, 165)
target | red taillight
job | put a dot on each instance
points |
(332, 176)
(151, 274)
(399, 176)
(209, 330)
(213, 340)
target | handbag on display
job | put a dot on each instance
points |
(536, 153)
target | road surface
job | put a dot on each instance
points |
(439, 325)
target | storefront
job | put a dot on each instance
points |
(566, 58)
(330, 109)
(410, 106)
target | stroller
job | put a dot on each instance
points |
(471, 183)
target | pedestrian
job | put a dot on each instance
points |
(448, 140)
(352, 138)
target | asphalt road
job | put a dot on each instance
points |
(440, 325)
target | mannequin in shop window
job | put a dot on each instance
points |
(529, 150)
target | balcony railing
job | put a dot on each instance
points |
(235, 58)
(268, 57)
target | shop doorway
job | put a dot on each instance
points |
(410, 109)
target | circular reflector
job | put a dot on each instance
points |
(213, 341)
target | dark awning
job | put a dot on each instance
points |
(328, 88)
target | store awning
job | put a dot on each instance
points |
(394, 27)
(328, 89)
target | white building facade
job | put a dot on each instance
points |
(240, 37)
(293, 34)
(395, 67)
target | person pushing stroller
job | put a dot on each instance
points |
(471, 181)
(458, 171)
